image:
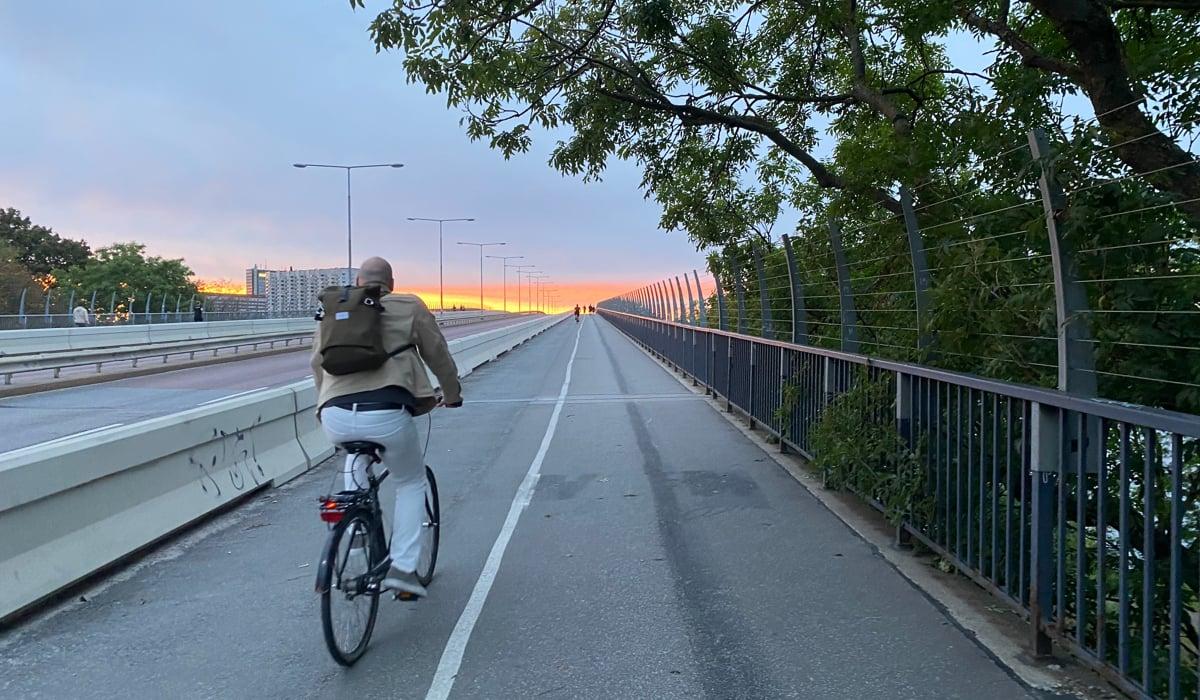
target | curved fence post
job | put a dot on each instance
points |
(691, 310)
(722, 315)
(71, 307)
(21, 307)
(849, 317)
(149, 318)
(767, 324)
(92, 306)
(662, 301)
(799, 309)
(672, 300)
(684, 316)
(920, 267)
(739, 291)
(112, 304)
(701, 315)
(46, 312)
(1076, 361)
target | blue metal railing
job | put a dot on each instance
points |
(1081, 513)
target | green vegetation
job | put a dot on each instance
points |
(743, 116)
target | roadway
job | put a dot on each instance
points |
(55, 414)
(661, 555)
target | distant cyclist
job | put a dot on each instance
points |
(577, 313)
(377, 404)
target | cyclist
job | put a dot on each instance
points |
(577, 313)
(378, 405)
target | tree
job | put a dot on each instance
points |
(37, 248)
(124, 269)
(15, 280)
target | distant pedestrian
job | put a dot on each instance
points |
(80, 316)
(577, 313)
(198, 313)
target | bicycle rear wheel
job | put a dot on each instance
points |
(349, 601)
(430, 530)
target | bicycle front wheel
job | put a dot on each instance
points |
(430, 530)
(350, 599)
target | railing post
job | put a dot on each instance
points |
(739, 290)
(92, 306)
(691, 310)
(112, 304)
(701, 314)
(904, 426)
(849, 317)
(1045, 464)
(656, 297)
(674, 299)
(920, 268)
(71, 304)
(767, 325)
(148, 295)
(1076, 361)
(666, 300)
(683, 314)
(799, 310)
(722, 315)
(21, 313)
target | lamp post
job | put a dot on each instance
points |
(504, 259)
(529, 279)
(481, 246)
(520, 271)
(349, 236)
(441, 256)
(536, 279)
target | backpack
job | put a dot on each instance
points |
(351, 330)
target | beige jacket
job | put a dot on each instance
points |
(406, 320)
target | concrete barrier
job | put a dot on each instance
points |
(98, 337)
(75, 506)
(40, 340)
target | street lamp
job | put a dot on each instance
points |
(519, 269)
(536, 279)
(481, 246)
(348, 168)
(528, 278)
(441, 277)
(505, 259)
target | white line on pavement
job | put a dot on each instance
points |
(452, 655)
(240, 393)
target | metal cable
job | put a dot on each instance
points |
(980, 216)
(973, 240)
(1148, 208)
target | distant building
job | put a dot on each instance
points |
(294, 292)
(235, 306)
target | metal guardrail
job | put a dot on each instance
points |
(56, 362)
(1082, 514)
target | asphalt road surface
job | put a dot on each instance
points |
(60, 413)
(661, 555)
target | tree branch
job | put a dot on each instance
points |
(1029, 55)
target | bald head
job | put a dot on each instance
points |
(376, 271)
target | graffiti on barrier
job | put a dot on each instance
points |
(233, 455)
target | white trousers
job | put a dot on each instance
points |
(397, 432)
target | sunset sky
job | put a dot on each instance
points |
(176, 123)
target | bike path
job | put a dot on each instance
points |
(661, 555)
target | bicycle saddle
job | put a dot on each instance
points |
(359, 447)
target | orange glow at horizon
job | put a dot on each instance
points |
(220, 286)
(568, 295)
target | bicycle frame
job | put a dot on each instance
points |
(345, 506)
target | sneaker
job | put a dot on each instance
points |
(404, 583)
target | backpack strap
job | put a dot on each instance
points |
(401, 349)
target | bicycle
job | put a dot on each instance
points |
(357, 541)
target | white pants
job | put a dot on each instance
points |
(397, 432)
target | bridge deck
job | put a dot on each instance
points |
(662, 555)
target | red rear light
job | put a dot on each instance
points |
(331, 511)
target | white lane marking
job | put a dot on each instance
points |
(52, 441)
(452, 655)
(240, 393)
